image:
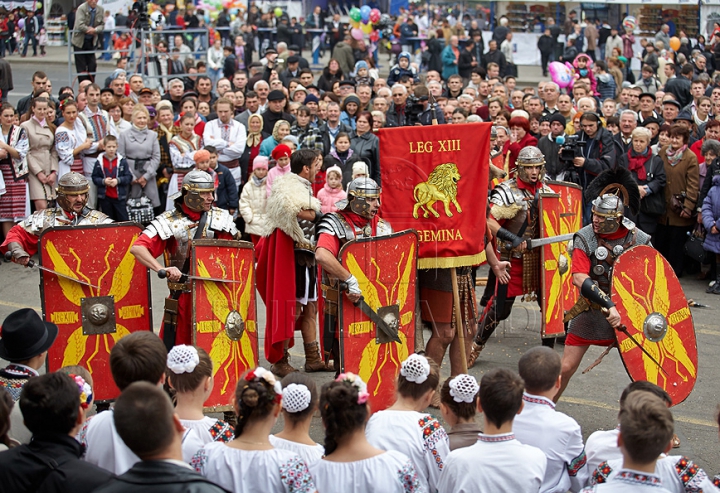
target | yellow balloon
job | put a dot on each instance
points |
(366, 28)
(675, 43)
(354, 24)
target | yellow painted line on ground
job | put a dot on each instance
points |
(19, 305)
(602, 405)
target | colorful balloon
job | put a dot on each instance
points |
(21, 23)
(278, 12)
(629, 22)
(374, 36)
(560, 74)
(675, 43)
(355, 14)
(356, 34)
(374, 15)
(354, 24)
(365, 13)
(366, 28)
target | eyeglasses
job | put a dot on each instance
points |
(397, 95)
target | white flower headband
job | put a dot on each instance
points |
(182, 359)
(415, 368)
(356, 382)
(261, 373)
(296, 397)
(463, 388)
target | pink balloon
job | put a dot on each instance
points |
(560, 74)
(356, 33)
(374, 15)
(21, 23)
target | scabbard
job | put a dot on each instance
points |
(581, 305)
(170, 319)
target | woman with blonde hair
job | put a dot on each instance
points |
(140, 147)
(280, 131)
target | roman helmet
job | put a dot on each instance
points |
(195, 183)
(359, 190)
(72, 184)
(610, 193)
(530, 157)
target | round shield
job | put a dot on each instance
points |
(654, 309)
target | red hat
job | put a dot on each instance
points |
(281, 150)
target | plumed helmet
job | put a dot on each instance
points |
(611, 209)
(195, 183)
(529, 157)
(359, 190)
(71, 184)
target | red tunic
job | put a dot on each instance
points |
(28, 241)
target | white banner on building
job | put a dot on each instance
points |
(115, 6)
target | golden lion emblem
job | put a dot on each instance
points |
(441, 186)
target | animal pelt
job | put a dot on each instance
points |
(505, 211)
(618, 181)
(289, 195)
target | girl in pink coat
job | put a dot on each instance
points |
(333, 191)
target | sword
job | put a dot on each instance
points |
(372, 315)
(162, 274)
(536, 242)
(622, 328)
(31, 264)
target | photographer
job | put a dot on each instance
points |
(550, 147)
(597, 155)
(407, 110)
(421, 113)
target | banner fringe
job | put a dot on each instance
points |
(451, 262)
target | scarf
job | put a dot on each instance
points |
(636, 163)
(338, 155)
(276, 129)
(674, 157)
(698, 121)
(258, 181)
(166, 131)
(139, 129)
(42, 122)
(254, 138)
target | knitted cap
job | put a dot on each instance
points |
(260, 162)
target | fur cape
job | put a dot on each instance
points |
(289, 195)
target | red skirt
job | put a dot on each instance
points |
(13, 201)
(77, 165)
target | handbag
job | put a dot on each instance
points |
(653, 204)
(140, 210)
(694, 245)
(677, 204)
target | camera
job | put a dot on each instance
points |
(571, 148)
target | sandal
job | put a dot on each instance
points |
(675, 441)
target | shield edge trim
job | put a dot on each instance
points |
(543, 334)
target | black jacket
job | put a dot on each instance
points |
(326, 135)
(367, 147)
(49, 464)
(435, 47)
(465, 63)
(550, 149)
(226, 195)
(546, 44)
(600, 154)
(122, 173)
(270, 118)
(680, 88)
(496, 57)
(160, 477)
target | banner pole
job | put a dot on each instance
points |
(459, 326)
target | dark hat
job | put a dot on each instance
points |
(648, 94)
(347, 83)
(673, 102)
(557, 117)
(144, 90)
(649, 120)
(255, 65)
(684, 115)
(276, 95)
(107, 89)
(25, 335)
(352, 98)
(293, 48)
(190, 94)
(270, 51)
(311, 98)
(293, 59)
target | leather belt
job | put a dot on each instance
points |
(231, 164)
(95, 154)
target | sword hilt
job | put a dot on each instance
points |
(162, 274)
(9, 256)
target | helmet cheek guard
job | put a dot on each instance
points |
(530, 157)
(195, 183)
(610, 209)
(72, 184)
(359, 190)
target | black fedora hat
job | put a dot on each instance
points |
(25, 335)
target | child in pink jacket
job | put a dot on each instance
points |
(333, 191)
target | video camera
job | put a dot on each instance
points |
(571, 148)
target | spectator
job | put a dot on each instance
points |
(450, 57)
(281, 130)
(275, 111)
(681, 196)
(663, 36)
(458, 405)
(32, 29)
(343, 54)
(332, 192)
(215, 60)
(147, 423)
(547, 46)
(89, 24)
(494, 56)
(350, 108)
(596, 156)
(227, 136)
(253, 200)
(366, 145)
(255, 136)
(112, 179)
(14, 146)
(42, 158)
(54, 410)
(614, 41)
(108, 31)
(550, 147)
(140, 147)
(506, 49)
(520, 137)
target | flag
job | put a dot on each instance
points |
(434, 180)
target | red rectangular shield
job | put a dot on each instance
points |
(435, 180)
(224, 313)
(92, 320)
(385, 267)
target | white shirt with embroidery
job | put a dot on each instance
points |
(560, 437)
(601, 446)
(417, 435)
(391, 472)
(309, 453)
(629, 481)
(495, 464)
(254, 471)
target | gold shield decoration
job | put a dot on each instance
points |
(386, 269)
(91, 320)
(224, 313)
(652, 305)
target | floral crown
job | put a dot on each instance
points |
(86, 393)
(356, 382)
(261, 373)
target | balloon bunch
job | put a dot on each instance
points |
(362, 22)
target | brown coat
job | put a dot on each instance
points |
(683, 177)
(41, 156)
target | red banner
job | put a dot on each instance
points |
(435, 181)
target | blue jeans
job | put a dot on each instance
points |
(107, 37)
(28, 40)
